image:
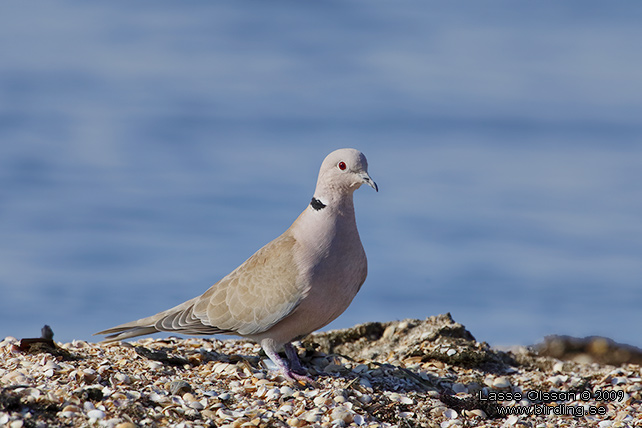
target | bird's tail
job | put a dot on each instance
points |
(179, 319)
(123, 332)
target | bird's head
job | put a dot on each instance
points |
(345, 170)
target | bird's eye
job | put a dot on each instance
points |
(342, 166)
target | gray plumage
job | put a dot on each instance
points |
(294, 285)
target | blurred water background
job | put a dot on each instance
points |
(147, 149)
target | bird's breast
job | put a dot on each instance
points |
(332, 268)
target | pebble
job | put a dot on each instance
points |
(360, 368)
(459, 388)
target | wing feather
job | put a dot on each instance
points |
(250, 300)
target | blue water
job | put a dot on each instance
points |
(148, 149)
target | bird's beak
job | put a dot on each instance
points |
(369, 181)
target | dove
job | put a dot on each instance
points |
(294, 285)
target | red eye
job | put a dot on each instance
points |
(342, 166)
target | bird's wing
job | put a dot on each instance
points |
(258, 294)
(250, 300)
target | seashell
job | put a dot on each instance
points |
(365, 399)
(178, 387)
(286, 408)
(273, 394)
(511, 420)
(89, 375)
(122, 378)
(558, 380)
(501, 383)
(261, 392)
(224, 414)
(619, 380)
(133, 395)
(450, 414)
(394, 397)
(72, 408)
(295, 422)
(157, 398)
(188, 397)
(51, 365)
(476, 412)
(312, 416)
(208, 414)
(341, 414)
(126, 425)
(96, 414)
(196, 405)
(365, 383)
(154, 365)
(321, 401)
(340, 399)
(34, 392)
(286, 391)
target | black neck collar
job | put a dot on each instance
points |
(317, 204)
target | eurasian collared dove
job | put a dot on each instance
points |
(294, 285)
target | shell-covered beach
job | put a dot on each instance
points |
(424, 373)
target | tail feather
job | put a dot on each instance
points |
(179, 319)
(116, 334)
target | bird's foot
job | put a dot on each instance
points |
(299, 379)
(293, 371)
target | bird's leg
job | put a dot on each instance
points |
(288, 372)
(293, 358)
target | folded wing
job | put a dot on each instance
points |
(250, 300)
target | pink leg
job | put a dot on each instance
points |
(289, 372)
